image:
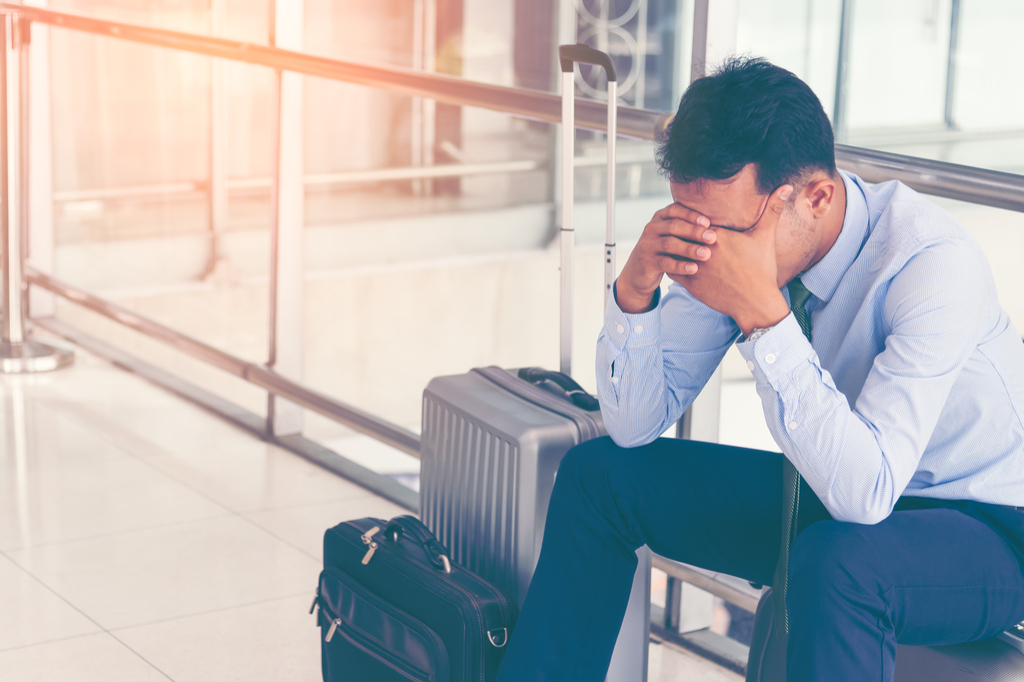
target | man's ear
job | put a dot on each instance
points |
(819, 194)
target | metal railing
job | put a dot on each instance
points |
(387, 433)
(986, 187)
(354, 177)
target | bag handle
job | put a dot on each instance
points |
(414, 529)
(573, 390)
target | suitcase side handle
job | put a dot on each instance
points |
(414, 529)
(573, 390)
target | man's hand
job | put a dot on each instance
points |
(740, 279)
(674, 242)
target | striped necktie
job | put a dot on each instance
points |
(798, 297)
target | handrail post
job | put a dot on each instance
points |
(219, 268)
(285, 350)
(839, 123)
(18, 354)
(954, 46)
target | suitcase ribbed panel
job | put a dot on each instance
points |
(469, 483)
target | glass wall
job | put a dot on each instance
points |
(930, 78)
(132, 149)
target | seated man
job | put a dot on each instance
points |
(890, 378)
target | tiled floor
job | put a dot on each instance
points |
(142, 538)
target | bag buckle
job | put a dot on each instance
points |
(498, 635)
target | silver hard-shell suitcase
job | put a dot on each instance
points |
(1000, 659)
(492, 439)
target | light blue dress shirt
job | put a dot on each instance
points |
(914, 383)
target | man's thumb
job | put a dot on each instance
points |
(785, 192)
(777, 203)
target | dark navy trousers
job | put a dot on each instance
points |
(926, 575)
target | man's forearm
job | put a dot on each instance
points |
(646, 374)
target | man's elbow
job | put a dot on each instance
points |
(629, 438)
(863, 514)
(622, 438)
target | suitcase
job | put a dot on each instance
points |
(394, 608)
(492, 439)
(1000, 659)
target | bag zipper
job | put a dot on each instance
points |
(453, 588)
(422, 535)
(338, 626)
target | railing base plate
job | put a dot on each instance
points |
(33, 356)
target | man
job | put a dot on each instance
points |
(895, 387)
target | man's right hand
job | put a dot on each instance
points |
(674, 242)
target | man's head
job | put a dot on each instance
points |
(741, 133)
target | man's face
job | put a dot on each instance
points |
(737, 204)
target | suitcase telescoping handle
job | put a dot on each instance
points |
(414, 529)
(568, 56)
(573, 391)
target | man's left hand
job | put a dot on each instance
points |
(740, 279)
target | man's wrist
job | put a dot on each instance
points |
(764, 317)
(757, 333)
(633, 302)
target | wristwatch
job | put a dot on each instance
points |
(758, 333)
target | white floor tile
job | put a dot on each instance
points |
(170, 572)
(35, 436)
(269, 642)
(93, 658)
(135, 414)
(70, 503)
(145, 428)
(32, 614)
(251, 475)
(304, 527)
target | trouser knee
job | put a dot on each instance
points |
(831, 568)
(591, 477)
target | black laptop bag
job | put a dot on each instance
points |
(393, 608)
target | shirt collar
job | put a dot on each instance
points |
(823, 278)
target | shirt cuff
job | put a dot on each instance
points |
(632, 330)
(774, 355)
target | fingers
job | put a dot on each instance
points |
(684, 223)
(672, 265)
(680, 212)
(680, 249)
(683, 229)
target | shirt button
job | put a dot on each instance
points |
(638, 329)
(615, 380)
(620, 329)
(750, 365)
(792, 426)
(770, 358)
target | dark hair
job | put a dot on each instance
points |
(748, 111)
